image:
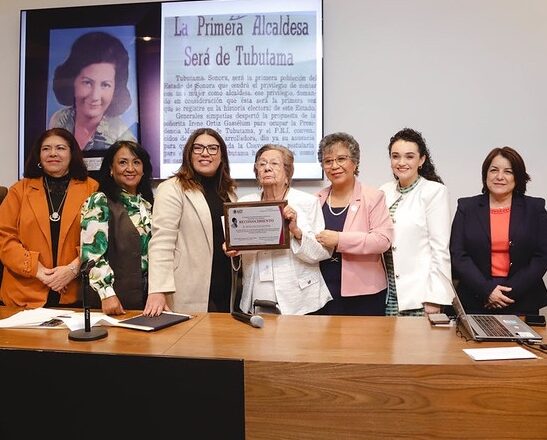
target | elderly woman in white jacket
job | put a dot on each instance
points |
(290, 277)
(418, 263)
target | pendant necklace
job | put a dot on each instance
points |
(54, 216)
(330, 208)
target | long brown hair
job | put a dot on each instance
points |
(188, 176)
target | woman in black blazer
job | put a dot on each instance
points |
(498, 243)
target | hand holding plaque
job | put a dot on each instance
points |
(256, 226)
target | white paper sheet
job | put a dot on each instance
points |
(38, 318)
(498, 353)
(76, 320)
(33, 317)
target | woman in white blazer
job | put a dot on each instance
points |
(418, 263)
(188, 269)
(290, 277)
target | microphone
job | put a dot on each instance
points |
(87, 266)
(253, 320)
(88, 333)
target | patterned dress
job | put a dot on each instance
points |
(94, 237)
(392, 305)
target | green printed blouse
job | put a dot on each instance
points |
(94, 236)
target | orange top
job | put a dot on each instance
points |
(499, 228)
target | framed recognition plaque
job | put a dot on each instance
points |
(256, 226)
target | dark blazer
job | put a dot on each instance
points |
(470, 249)
(3, 192)
(124, 258)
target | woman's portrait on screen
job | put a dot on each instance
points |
(93, 87)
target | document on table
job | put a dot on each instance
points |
(76, 321)
(499, 353)
(63, 319)
(33, 318)
(55, 319)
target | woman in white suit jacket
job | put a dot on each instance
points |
(188, 269)
(418, 262)
(289, 277)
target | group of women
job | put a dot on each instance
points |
(354, 249)
(57, 218)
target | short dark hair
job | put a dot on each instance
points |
(108, 185)
(427, 170)
(347, 140)
(189, 177)
(93, 48)
(517, 164)
(76, 167)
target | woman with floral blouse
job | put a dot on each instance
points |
(116, 229)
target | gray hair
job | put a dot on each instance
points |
(345, 139)
(286, 154)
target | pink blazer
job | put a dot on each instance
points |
(367, 234)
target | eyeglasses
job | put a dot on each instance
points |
(340, 160)
(264, 163)
(212, 149)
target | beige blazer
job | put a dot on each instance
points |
(180, 252)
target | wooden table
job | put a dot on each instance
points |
(319, 377)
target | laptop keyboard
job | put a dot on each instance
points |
(491, 326)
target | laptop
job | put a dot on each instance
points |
(493, 327)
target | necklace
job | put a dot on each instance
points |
(54, 216)
(330, 208)
(282, 197)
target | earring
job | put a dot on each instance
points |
(39, 165)
(420, 167)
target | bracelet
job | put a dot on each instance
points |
(74, 270)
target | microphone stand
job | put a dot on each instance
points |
(87, 333)
(253, 320)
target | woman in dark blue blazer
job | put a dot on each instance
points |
(498, 244)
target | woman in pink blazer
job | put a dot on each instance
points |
(359, 229)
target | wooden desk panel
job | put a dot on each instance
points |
(356, 401)
(318, 377)
(71, 387)
(78, 395)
